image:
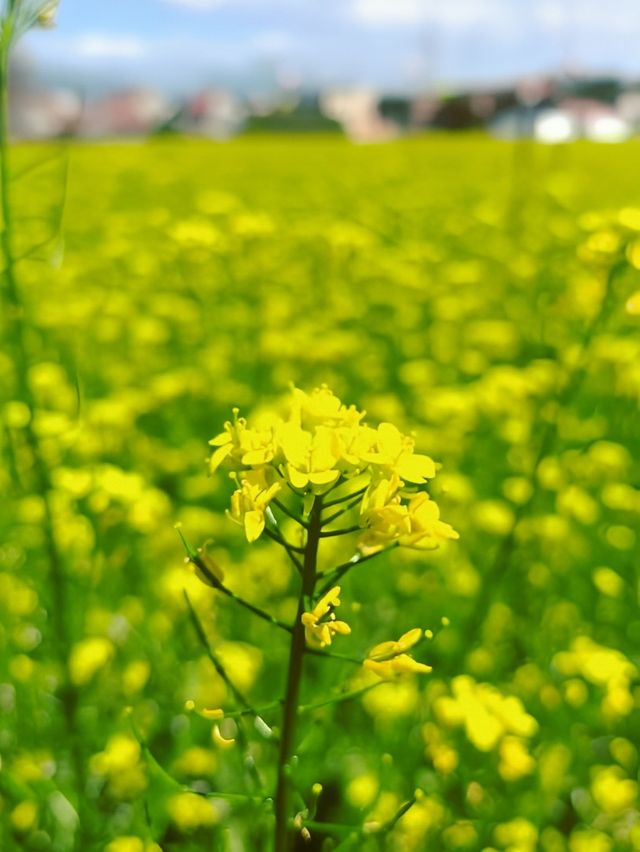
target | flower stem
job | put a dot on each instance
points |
(294, 677)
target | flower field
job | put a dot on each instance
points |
(483, 297)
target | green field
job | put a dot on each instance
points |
(483, 295)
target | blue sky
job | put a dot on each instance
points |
(391, 44)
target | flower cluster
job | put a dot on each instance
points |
(322, 445)
(390, 658)
(320, 624)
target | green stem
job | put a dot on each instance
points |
(219, 586)
(243, 740)
(340, 512)
(59, 608)
(287, 511)
(346, 531)
(294, 677)
(306, 708)
(337, 500)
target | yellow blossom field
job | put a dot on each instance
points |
(455, 324)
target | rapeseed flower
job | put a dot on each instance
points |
(319, 446)
(389, 659)
(320, 625)
(250, 500)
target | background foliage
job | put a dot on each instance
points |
(481, 293)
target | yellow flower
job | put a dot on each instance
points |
(323, 443)
(415, 525)
(248, 503)
(389, 659)
(322, 407)
(320, 624)
(394, 452)
(427, 530)
(246, 447)
(310, 459)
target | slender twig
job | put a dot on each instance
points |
(294, 559)
(334, 656)
(356, 833)
(233, 689)
(293, 489)
(346, 531)
(306, 708)
(402, 810)
(260, 613)
(219, 586)
(258, 712)
(287, 511)
(217, 664)
(342, 696)
(276, 535)
(331, 827)
(329, 503)
(341, 512)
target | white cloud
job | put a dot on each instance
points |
(103, 46)
(455, 14)
(271, 41)
(551, 15)
(204, 5)
(381, 12)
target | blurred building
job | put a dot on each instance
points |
(215, 113)
(357, 111)
(133, 112)
(544, 108)
(596, 120)
(44, 113)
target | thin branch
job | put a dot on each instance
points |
(258, 712)
(338, 699)
(288, 550)
(285, 510)
(233, 689)
(356, 833)
(346, 531)
(331, 827)
(334, 656)
(306, 708)
(335, 502)
(340, 512)
(218, 666)
(219, 586)
(276, 535)
(402, 810)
